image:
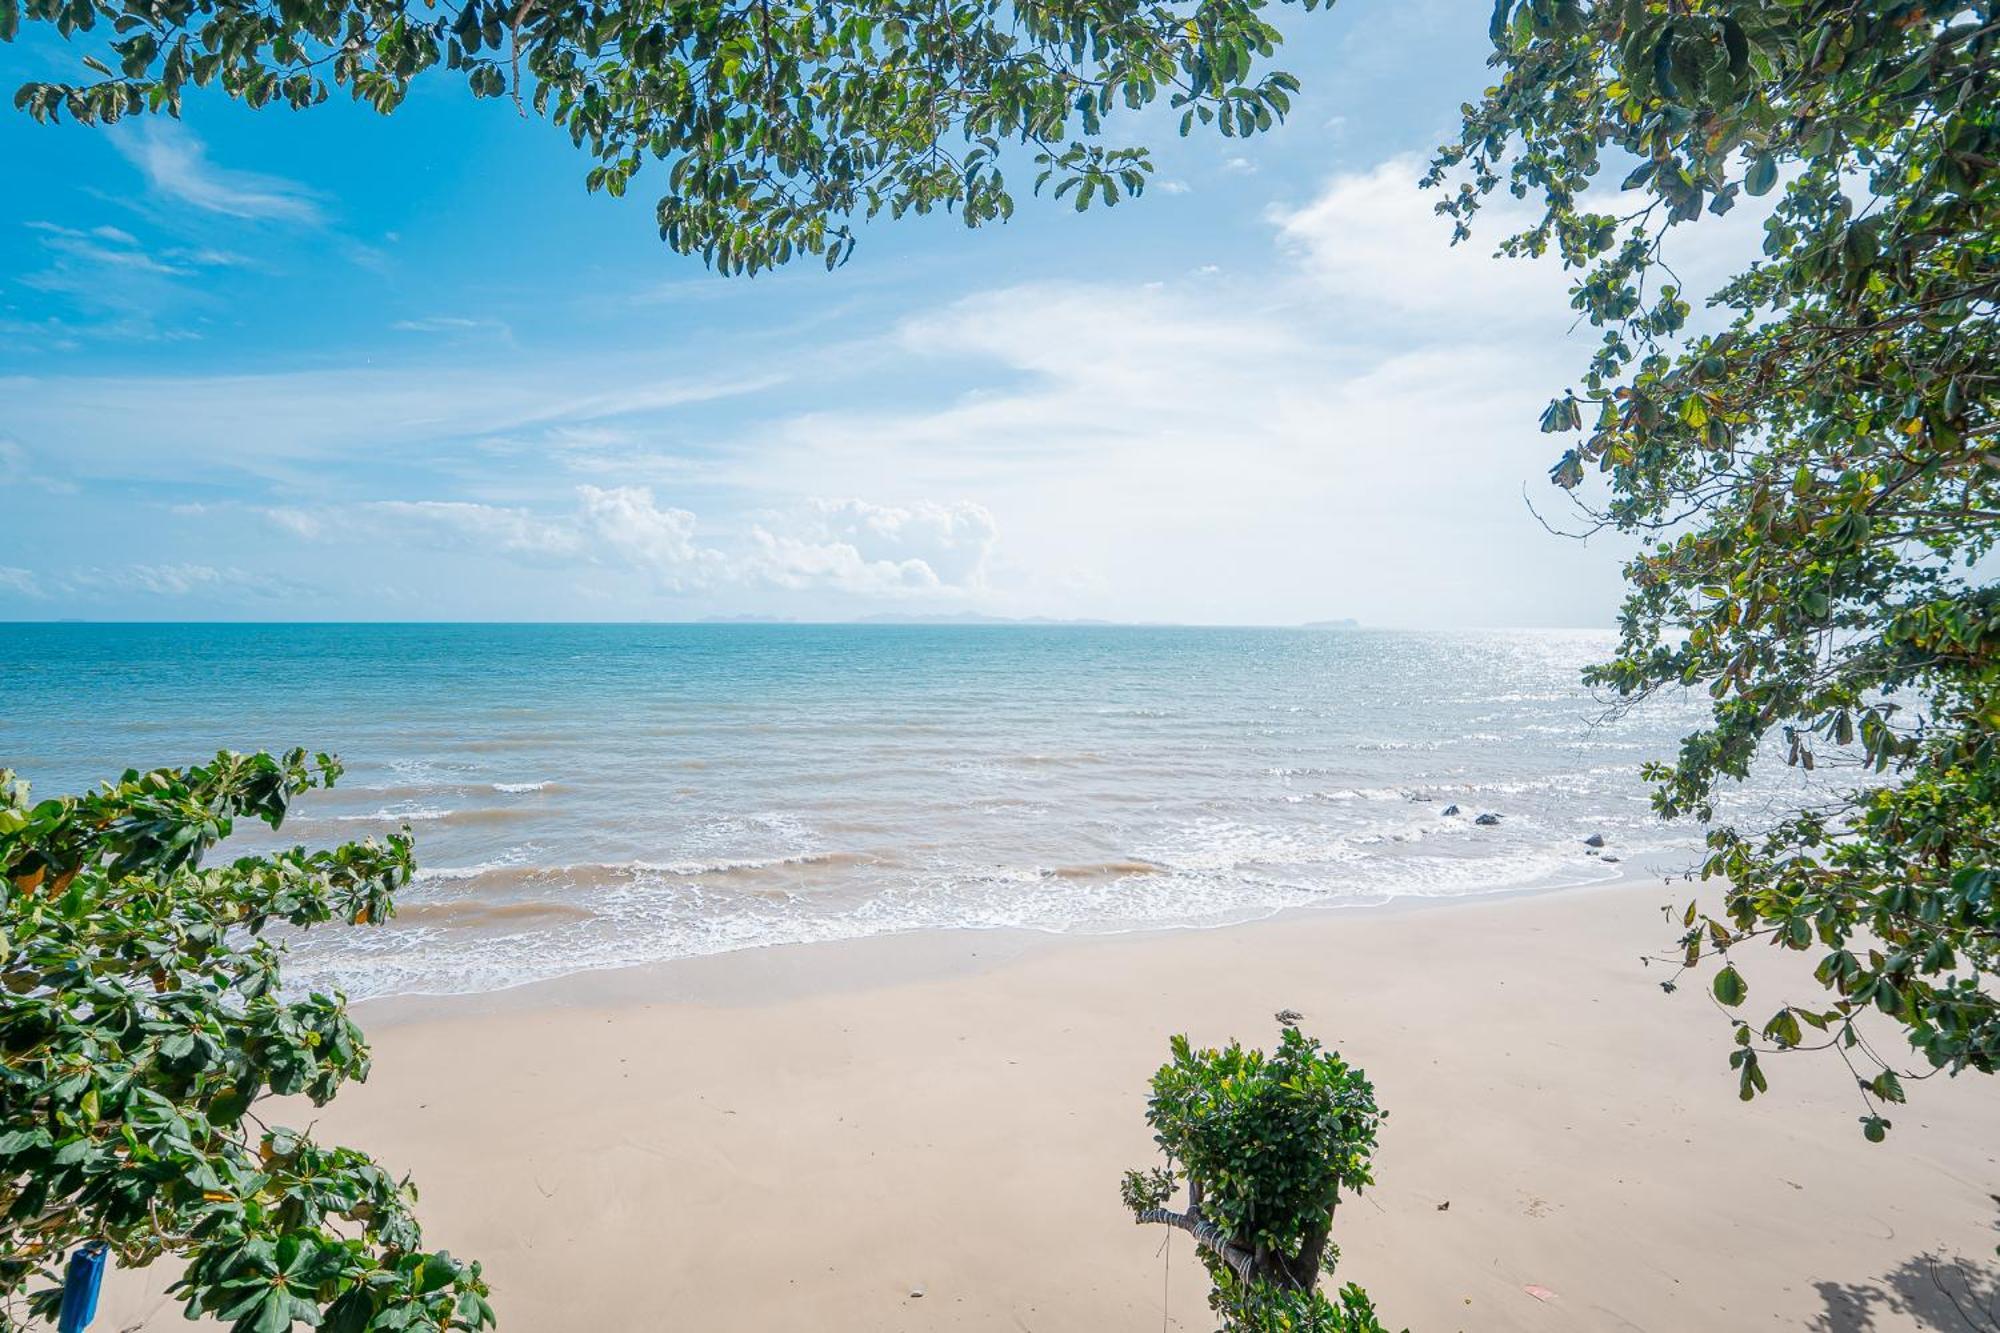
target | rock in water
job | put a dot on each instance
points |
(1451, 810)
(1594, 840)
(1487, 819)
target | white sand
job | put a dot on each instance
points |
(804, 1138)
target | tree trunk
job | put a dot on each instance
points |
(1302, 1271)
(1298, 1272)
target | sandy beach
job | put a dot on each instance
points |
(926, 1132)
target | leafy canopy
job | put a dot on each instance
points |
(142, 1024)
(1815, 478)
(777, 121)
(1264, 1144)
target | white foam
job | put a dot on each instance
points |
(405, 812)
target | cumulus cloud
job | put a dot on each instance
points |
(22, 581)
(658, 539)
(864, 548)
(848, 546)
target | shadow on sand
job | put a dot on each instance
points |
(1930, 1291)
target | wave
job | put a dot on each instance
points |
(477, 944)
(597, 874)
(422, 814)
(519, 788)
(477, 914)
(427, 814)
(741, 865)
(1104, 870)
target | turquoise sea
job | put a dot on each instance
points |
(593, 795)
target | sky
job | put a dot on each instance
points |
(337, 366)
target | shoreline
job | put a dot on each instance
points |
(910, 953)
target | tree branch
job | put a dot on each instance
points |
(1210, 1237)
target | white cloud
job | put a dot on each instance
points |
(285, 426)
(175, 163)
(1335, 428)
(22, 581)
(209, 257)
(180, 580)
(107, 246)
(868, 549)
(1374, 239)
(19, 467)
(846, 546)
(495, 527)
(295, 521)
(450, 324)
(1230, 452)
(657, 539)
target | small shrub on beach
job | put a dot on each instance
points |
(1264, 1146)
(141, 1026)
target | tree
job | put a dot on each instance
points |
(778, 121)
(144, 1022)
(1264, 1144)
(1814, 475)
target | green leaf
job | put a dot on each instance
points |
(1729, 986)
(1763, 174)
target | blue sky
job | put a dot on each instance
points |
(331, 365)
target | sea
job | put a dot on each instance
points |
(593, 796)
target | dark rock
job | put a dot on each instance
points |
(1594, 840)
(1288, 1016)
(1451, 810)
(1487, 819)
(1610, 860)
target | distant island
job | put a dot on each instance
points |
(981, 618)
(972, 618)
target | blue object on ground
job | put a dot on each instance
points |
(80, 1284)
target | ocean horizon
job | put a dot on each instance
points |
(598, 795)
